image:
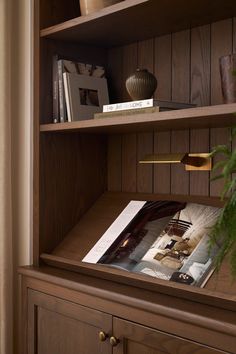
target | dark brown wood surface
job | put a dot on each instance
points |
(73, 175)
(201, 117)
(57, 326)
(143, 340)
(131, 20)
(163, 311)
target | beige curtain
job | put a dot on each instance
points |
(15, 158)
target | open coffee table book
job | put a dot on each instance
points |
(163, 239)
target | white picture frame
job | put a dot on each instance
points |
(85, 95)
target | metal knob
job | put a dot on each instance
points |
(114, 341)
(102, 336)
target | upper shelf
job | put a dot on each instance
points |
(200, 117)
(132, 20)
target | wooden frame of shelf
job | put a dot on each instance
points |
(200, 117)
(141, 19)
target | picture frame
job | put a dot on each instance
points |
(85, 95)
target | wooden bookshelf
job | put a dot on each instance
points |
(86, 172)
(133, 20)
(201, 117)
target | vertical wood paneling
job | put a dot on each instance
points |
(114, 153)
(162, 67)
(130, 63)
(200, 95)
(219, 136)
(129, 163)
(186, 65)
(145, 140)
(144, 171)
(114, 161)
(234, 35)
(181, 93)
(221, 44)
(181, 66)
(199, 180)
(179, 177)
(115, 73)
(129, 141)
(162, 172)
(200, 65)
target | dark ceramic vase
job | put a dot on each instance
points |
(228, 77)
(141, 85)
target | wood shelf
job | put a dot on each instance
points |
(133, 20)
(200, 117)
(70, 252)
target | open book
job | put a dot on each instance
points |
(163, 239)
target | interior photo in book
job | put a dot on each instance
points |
(163, 239)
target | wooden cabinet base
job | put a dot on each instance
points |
(63, 311)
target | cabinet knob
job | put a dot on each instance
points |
(114, 341)
(102, 336)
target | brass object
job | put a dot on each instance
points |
(192, 162)
(114, 341)
(102, 336)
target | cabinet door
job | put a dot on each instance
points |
(56, 326)
(137, 339)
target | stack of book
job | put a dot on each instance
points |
(75, 88)
(143, 106)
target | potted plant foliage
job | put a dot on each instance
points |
(223, 233)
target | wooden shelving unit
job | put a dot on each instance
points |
(132, 20)
(86, 172)
(201, 117)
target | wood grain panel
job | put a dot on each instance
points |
(200, 65)
(162, 67)
(179, 177)
(181, 66)
(143, 340)
(162, 144)
(144, 171)
(219, 136)
(114, 162)
(200, 95)
(129, 163)
(54, 11)
(73, 175)
(181, 93)
(58, 326)
(130, 64)
(234, 34)
(199, 180)
(145, 140)
(115, 74)
(221, 44)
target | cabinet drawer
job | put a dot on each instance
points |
(56, 326)
(137, 339)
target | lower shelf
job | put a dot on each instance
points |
(69, 253)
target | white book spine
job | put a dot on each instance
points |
(113, 231)
(128, 105)
(67, 97)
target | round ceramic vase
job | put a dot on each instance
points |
(89, 6)
(141, 85)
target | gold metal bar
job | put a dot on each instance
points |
(163, 158)
(192, 162)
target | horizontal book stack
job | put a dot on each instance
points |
(138, 107)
